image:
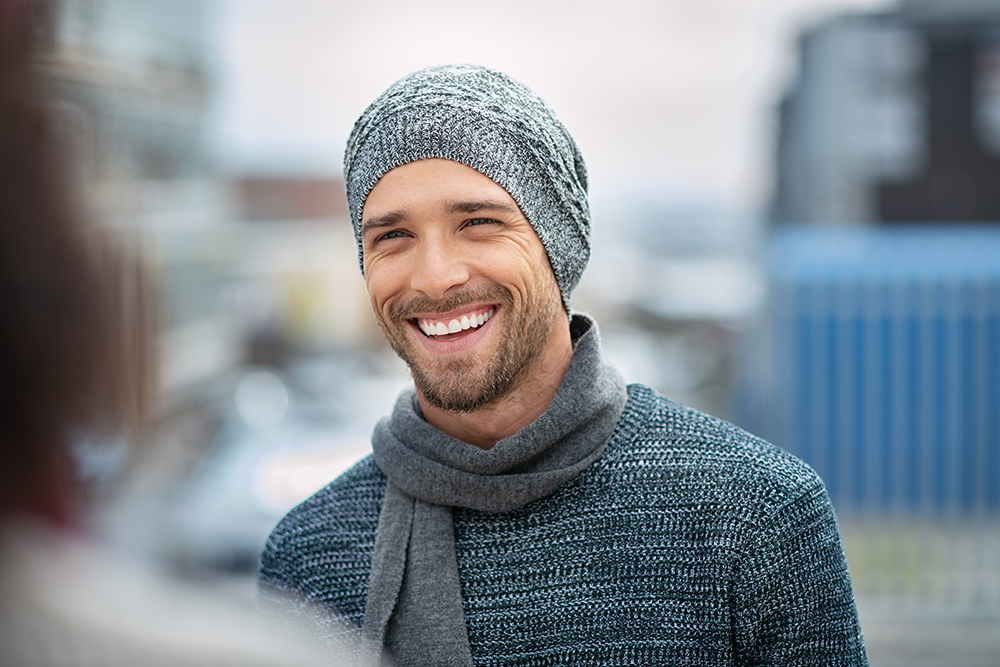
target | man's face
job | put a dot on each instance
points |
(459, 282)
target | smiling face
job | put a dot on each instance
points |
(459, 282)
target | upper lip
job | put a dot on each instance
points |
(455, 314)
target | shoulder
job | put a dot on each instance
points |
(789, 585)
(344, 503)
(337, 523)
(708, 458)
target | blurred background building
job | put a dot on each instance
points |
(878, 355)
(847, 308)
(884, 259)
(130, 84)
(894, 117)
(243, 285)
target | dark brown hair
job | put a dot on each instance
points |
(73, 343)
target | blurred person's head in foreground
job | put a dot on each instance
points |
(72, 367)
(522, 503)
(71, 361)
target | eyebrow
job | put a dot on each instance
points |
(385, 220)
(476, 206)
(393, 218)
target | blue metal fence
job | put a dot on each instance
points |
(883, 364)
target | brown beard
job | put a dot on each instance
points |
(475, 381)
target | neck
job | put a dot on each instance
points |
(521, 406)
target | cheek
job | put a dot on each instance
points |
(545, 288)
(388, 273)
(541, 270)
(381, 288)
(520, 263)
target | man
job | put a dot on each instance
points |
(523, 506)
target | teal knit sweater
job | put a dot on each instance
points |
(689, 542)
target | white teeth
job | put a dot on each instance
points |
(454, 326)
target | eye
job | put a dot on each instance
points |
(394, 234)
(476, 222)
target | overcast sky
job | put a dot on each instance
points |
(677, 95)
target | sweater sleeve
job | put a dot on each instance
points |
(791, 597)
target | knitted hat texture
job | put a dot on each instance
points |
(485, 120)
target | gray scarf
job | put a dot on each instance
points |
(414, 607)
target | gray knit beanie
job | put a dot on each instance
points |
(487, 121)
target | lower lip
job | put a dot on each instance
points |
(458, 345)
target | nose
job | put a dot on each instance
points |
(439, 267)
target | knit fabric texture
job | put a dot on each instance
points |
(414, 606)
(487, 121)
(688, 542)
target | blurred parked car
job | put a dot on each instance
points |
(280, 436)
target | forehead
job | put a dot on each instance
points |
(433, 182)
